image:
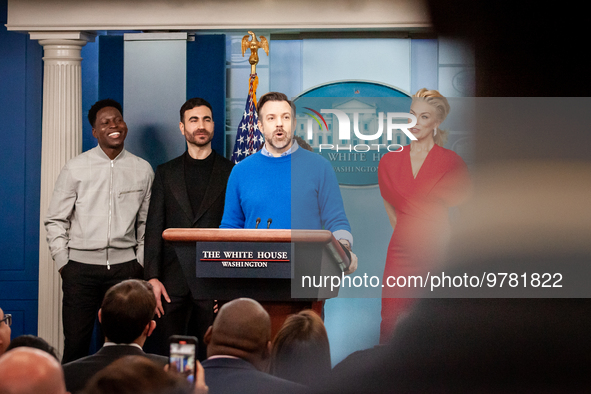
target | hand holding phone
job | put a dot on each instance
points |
(183, 355)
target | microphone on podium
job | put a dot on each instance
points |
(258, 222)
(269, 221)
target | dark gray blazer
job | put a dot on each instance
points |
(78, 373)
(170, 208)
(231, 375)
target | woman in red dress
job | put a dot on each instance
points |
(418, 184)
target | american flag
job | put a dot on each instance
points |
(249, 138)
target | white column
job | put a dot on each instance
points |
(61, 140)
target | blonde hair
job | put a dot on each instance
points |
(437, 101)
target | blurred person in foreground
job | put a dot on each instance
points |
(138, 375)
(238, 348)
(300, 351)
(30, 371)
(126, 318)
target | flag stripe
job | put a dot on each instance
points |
(249, 138)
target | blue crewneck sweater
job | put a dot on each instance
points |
(297, 191)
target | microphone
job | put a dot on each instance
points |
(269, 221)
(257, 225)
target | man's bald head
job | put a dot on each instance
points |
(30, 371)
(242, 329)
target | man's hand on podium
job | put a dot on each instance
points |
(353, 266)
(159, 292)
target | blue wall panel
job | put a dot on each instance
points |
(19, 290)
(21, 68)
(110, 63)
(33, 121)
(12, 150)
(102, 78)
(24, 316)
(90, 83)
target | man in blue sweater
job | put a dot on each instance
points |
(283, 185)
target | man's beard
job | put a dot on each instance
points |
(283, 143)
(200, 143)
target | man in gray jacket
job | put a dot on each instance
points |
(96, 222)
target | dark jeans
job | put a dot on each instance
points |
(183, 316)
(84, 287)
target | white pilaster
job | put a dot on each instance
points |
(61, 140)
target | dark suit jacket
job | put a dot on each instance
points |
(170, 208)
(231, 375)
(78, 373)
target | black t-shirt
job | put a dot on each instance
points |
(197, 174)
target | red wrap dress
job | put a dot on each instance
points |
(422, 220)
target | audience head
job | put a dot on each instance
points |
(127, 311)
(30, 371)
(33, 342)
(135, 375)
(242, 329)
(300, 351)
(4, 331)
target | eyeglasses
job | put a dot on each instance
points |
(7, 319)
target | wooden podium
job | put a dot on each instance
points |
(279, 268)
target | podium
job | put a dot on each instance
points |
(284, 270)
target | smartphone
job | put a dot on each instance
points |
(183, 355)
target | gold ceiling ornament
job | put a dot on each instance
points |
(254, 46)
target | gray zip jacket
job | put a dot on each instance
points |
(97, 214)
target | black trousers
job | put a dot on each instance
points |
(182, 316)
(84, 286)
